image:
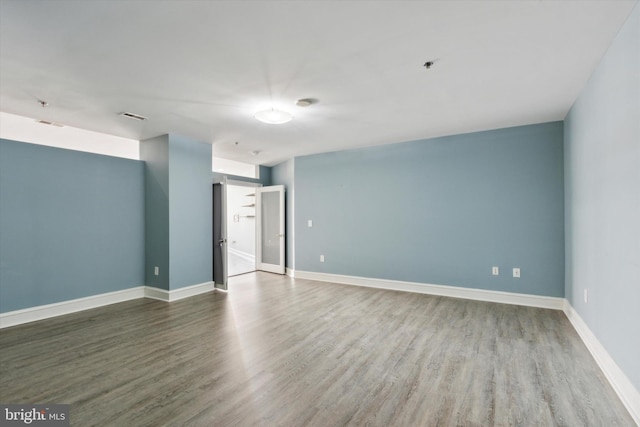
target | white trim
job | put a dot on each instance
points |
(156, 293)
(178, 294)
(448, 291)
(290, 272)
(231, 181)
(41, 312)
(627, 393)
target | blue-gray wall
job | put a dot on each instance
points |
(178, 216)
(71, 225)
(440, 211)
(155, 153)
(602, 143)
(283, 174)
(190, 212)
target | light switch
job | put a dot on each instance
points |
(309, 223)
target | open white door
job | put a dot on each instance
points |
(270, 236)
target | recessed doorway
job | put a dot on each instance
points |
(241, 229)
(248, 230)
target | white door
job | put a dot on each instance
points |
(270, 236)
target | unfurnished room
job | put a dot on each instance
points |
(320, 213)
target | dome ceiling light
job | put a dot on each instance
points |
(273, 116)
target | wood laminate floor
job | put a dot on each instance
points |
(281, 352)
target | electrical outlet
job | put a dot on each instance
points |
(495, 271)
(321, 258)
(309, 223)
(156, 270)
(516, 272)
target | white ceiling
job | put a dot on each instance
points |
(203, 68)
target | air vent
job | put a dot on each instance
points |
(44, 122)
(134, 116)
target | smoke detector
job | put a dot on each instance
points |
(305, 102)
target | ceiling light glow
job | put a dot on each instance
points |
(273, 116)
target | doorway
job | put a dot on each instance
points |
(241, 230)
(248, 230)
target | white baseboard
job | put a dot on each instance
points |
(441, 290)
(289, 272)
(627, 393)
(178, 294)
(41, 312)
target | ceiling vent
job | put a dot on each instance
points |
(134, 116)
(44, 122)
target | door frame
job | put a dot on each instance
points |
(254, 186)
(219, 236)
(272, 268)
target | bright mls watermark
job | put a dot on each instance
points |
(34, 415)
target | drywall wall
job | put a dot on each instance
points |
(190, 212)
(602, 166)
(178, 198)
(72, 224)
(155, 153)
(439, 211)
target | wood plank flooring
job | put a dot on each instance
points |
(275, 351)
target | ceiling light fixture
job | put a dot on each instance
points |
(273, 116)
